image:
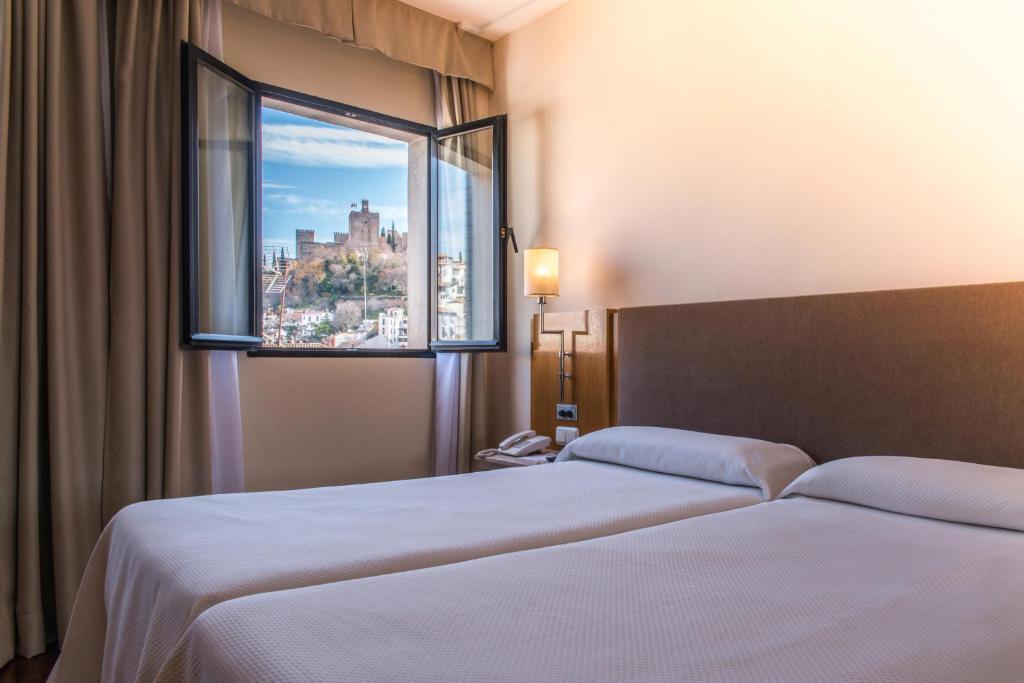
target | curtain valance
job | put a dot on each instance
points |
(393, 28)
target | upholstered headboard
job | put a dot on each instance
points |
(933, 372)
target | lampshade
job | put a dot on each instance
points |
(540, 272)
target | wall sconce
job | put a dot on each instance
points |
(540, 280)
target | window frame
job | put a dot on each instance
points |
(192, 56)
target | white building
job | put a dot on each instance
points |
(451, 295)
(451, 279)
(451, 321)
(309, 316)
(394, 326)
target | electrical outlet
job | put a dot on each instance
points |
(565, 411)
(564, 435)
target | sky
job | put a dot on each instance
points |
(314, 171)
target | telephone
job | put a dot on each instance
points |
(523, 443)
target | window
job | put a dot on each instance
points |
(312, 227)
(344, 231)
(470, 278)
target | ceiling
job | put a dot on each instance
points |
(490, 18)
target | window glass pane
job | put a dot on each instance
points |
(344, 250)
(223, 249)
(466, 234)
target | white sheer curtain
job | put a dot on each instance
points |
(460, 419)
(226, 449)
(447, 409)
(226, 444)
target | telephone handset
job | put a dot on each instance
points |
(523, 443)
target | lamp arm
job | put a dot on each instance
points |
(562, 353)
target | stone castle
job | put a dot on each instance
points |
(364, 232)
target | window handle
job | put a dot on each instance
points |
(507, 231)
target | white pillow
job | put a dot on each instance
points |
(726, 459)
(940, 489)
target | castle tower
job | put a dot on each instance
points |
(305, 242)
(363, 226)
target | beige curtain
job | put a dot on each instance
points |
(459, 100)
(414, 36)
(393, 28)
(158, 402)
(99, 406)
(330, 17)
(53, 327)
(460, 382)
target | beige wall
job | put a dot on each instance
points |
(323, 421)
(688, 150)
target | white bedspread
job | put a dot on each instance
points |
(798, 590)
(159, 564)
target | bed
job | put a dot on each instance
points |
(873, 569)
(159, 564)
(933, 373)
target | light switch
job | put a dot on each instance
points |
(564, 435)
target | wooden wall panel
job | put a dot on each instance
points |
(589, 337)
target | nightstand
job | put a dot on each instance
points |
(496, 461)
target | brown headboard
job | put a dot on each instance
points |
(933, 372)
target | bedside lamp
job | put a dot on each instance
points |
(540, 280)
(541, 273)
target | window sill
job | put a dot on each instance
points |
(339, 353)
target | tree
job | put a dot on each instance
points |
(347, 314)
(323, 329)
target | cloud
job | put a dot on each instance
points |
(270, 185)
(278, 243)
(287, 202)
(300, 145)
(290, 202)
(399, 214)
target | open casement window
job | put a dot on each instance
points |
(317, 228)
(220, 239)
(469, 236)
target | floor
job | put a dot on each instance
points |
(34, 670)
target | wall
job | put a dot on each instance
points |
(324, 421)
(732, 149)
